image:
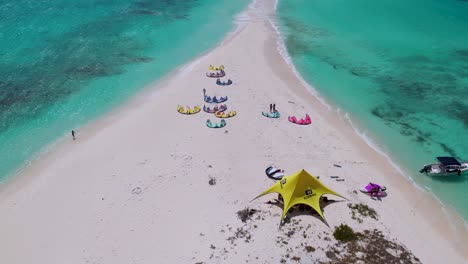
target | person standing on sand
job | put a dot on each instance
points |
(271, 108)
(73, 134)
(274, 107)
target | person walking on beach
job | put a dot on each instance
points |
(73, 134)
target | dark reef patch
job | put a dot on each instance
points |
(57, 67)
(296, 46)
(93, 70)
(461, 53)
(459, 110)
(144, 12)
(448, 150)
(402, 119)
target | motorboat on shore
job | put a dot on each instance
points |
(447, 166)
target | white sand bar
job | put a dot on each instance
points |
(133, 188)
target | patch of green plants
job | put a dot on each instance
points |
(296, 258)
(370, 247)
(344, 233)
(362, 210)
(309, 249)
(246, 214)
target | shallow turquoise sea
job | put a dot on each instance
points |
(63, 63)
(399, 68)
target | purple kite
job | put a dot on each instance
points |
(374, 189)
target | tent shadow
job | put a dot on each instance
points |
(303, 209)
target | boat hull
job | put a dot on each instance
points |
(447, 174)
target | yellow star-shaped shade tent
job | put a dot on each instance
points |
(300, 188)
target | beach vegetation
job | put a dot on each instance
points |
(309, 249)
(370, 243)
(330, 254)
(240, 233)
(246, 214)
(212, 181)
(359, 211)
(344, 233)
(296, 258)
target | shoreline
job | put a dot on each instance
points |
(456, 223)
(296, 90)
(452, 215)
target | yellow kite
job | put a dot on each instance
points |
(300, 188)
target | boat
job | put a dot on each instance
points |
(447, 166)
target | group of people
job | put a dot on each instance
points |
(273, 108)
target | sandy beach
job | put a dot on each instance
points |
(134, 187)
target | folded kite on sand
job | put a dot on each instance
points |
(275, 114)
(225, 115)
(375, 190)
(219, 68)
(219, 82)
(215, 109)
(188, 110)
(302, 121)
(214, 100)
(216, 74)
(215, 125)
(274, 173)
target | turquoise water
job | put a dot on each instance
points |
(63, 63)
(400, 68)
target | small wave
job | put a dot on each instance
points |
(425, 189)
(240, 20)
(377, 148)
(187, 68)
(281, 47)
(242, 17)
(451, 215)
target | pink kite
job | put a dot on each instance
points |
(302, 121)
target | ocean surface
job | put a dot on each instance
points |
(64, 63)
(399, 69)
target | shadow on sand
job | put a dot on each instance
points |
(303, 209)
